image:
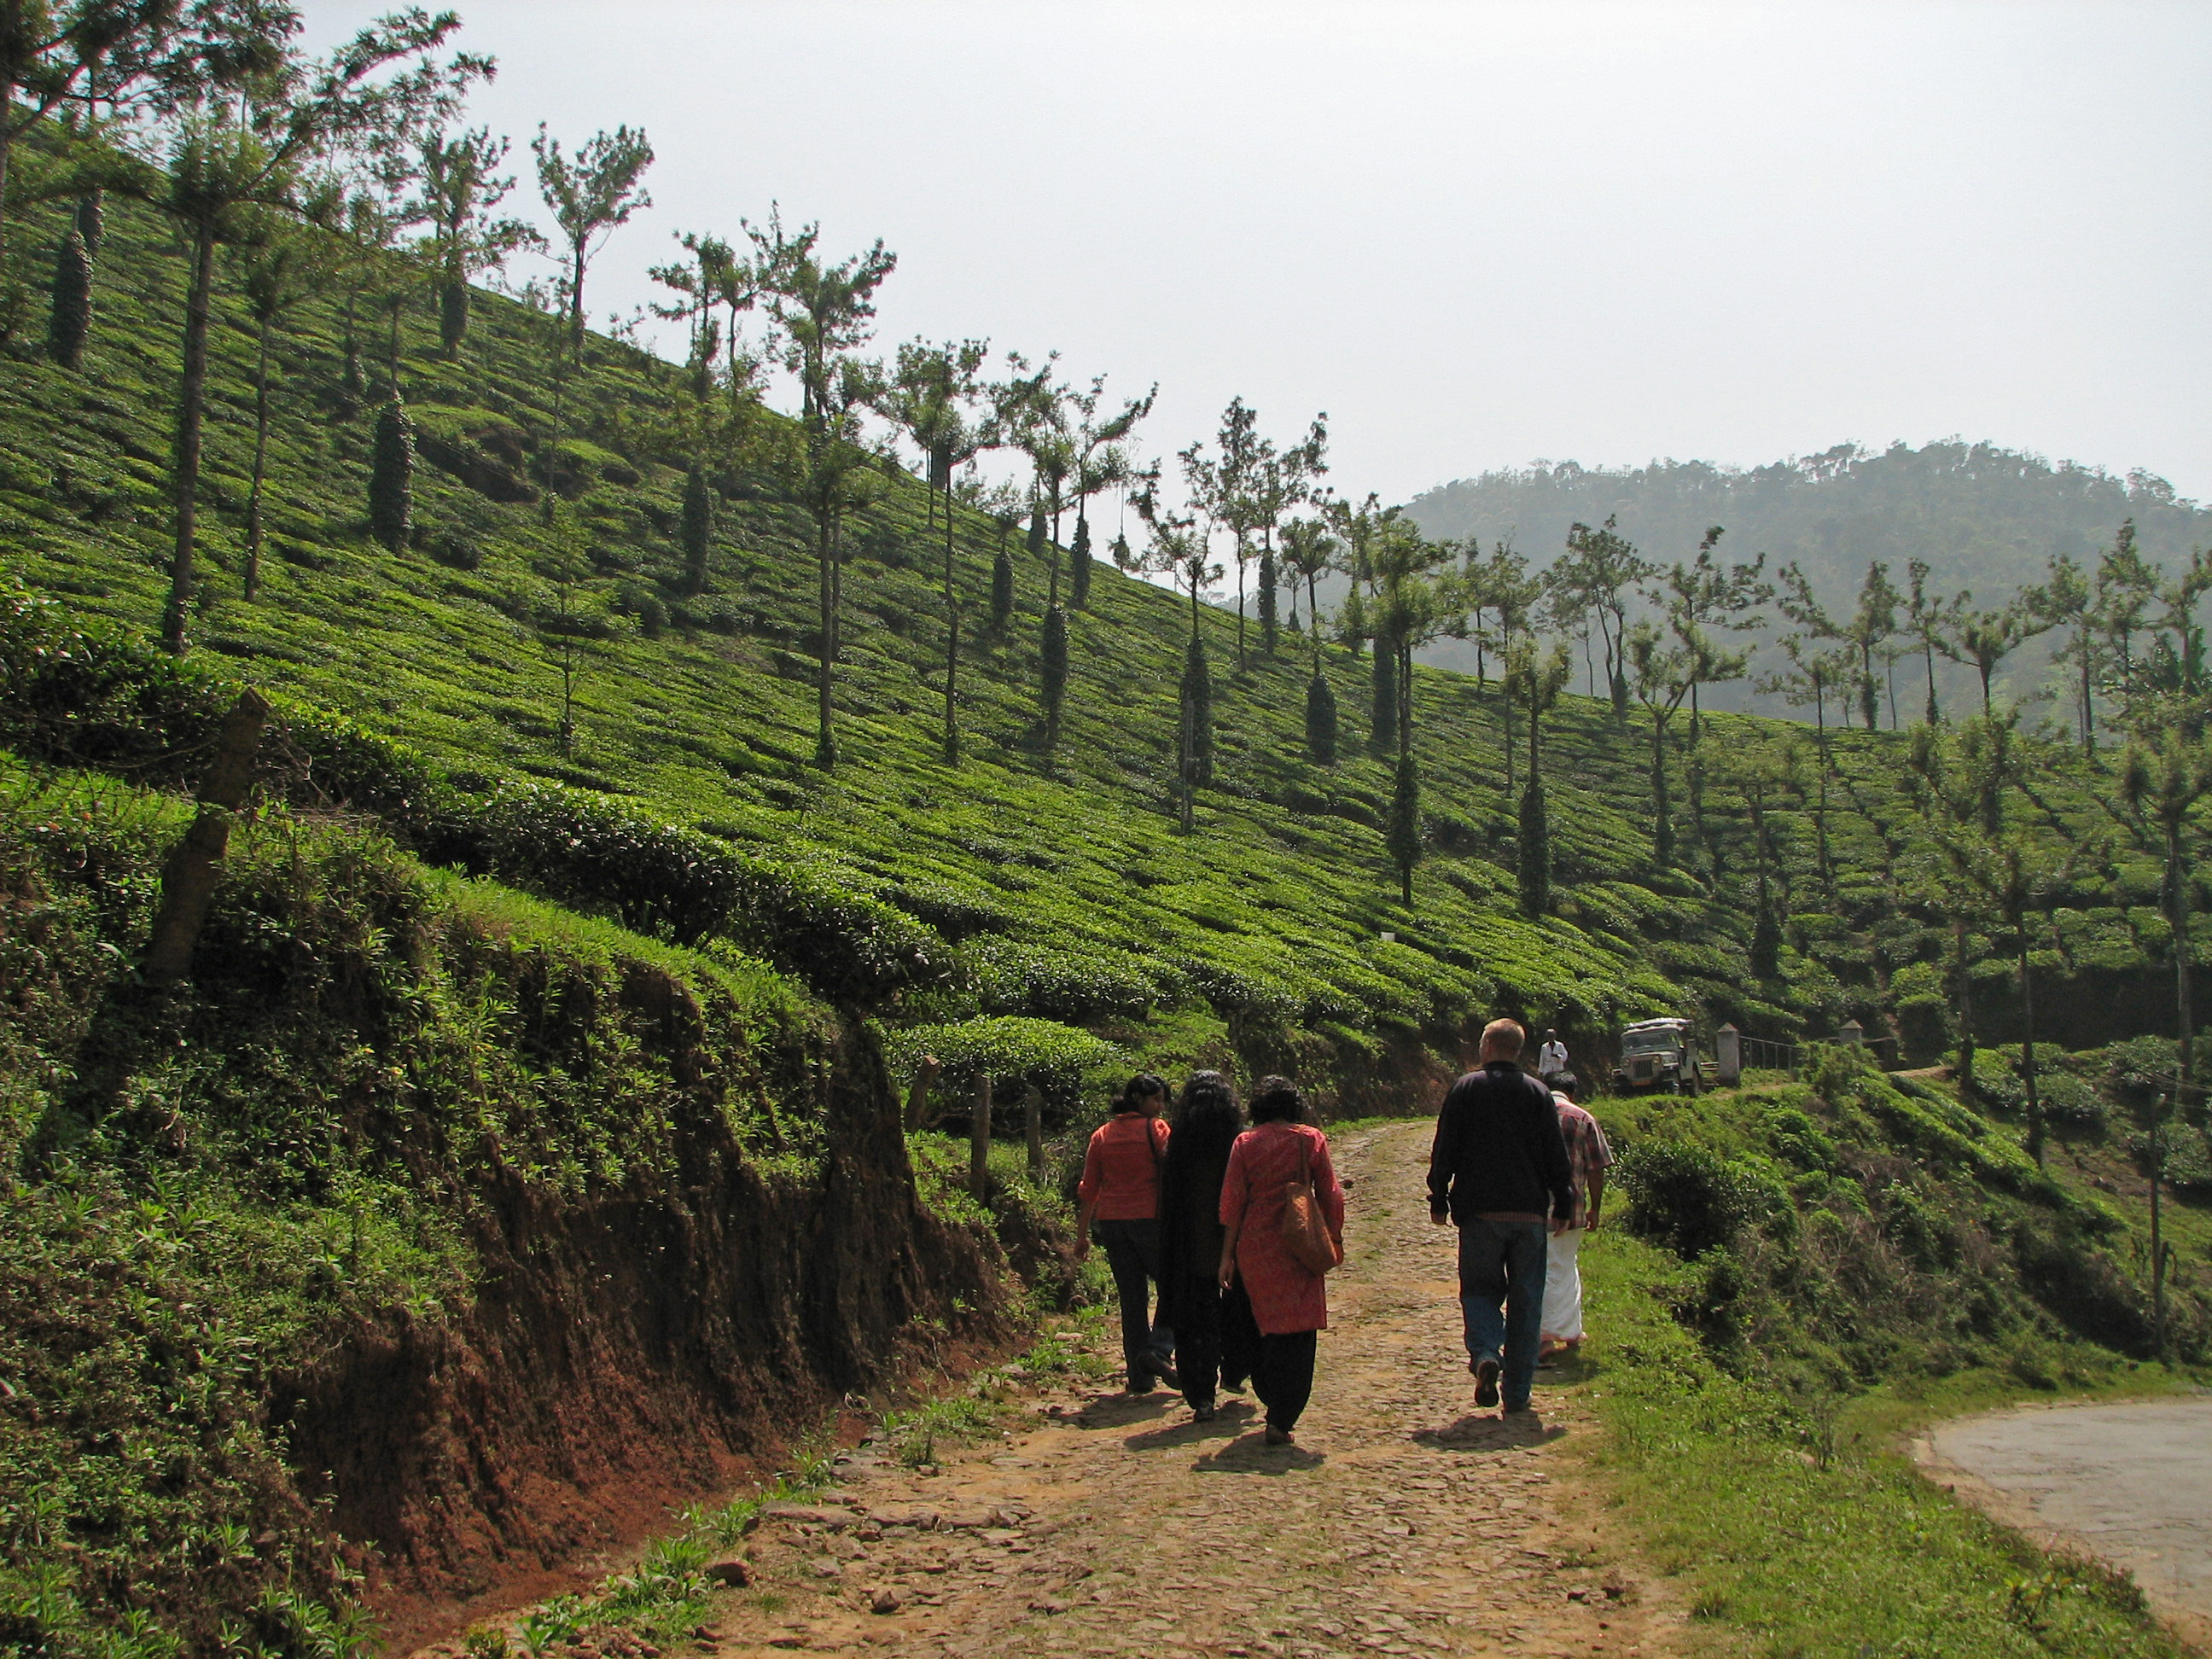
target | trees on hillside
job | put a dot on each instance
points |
(237, 123)
(931, 392)
(1602, 571)
(825, 311)
(1982, 639)
(1178, 549)
(1102, 462)
(1660, 674)
(459, 189)
(1539, 676)
(49, 53)
(591, 195)
(281, 269)
(1413, 597)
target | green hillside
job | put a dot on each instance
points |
(1054, 886)
(1983, 518)
(544, 1073)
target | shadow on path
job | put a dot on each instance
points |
(1489, 1431)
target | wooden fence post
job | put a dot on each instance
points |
(188, 878)
(1033, 1127)
(979, 1138)
(917, 1098)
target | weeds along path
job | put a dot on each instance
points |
(1404, 1522)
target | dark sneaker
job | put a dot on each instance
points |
(1166, 1373)
(1141, 1385)
(1204, 1413)
(1526, 1408)
(1485, 1382)
(1276, 1436)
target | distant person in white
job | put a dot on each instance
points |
(1551, 1060)
(1588, 1159)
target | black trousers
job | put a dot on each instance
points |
(1217, 1344)
(1132, 1251)
(1284, 1377)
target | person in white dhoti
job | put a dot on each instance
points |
(1588, 1158)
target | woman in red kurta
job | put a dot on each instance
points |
(1289, 1304)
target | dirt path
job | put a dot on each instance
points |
(1404, 1522)
(2130, 1483)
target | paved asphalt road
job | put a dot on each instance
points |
(2130, 1483)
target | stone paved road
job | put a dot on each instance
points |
(1404, 1522)
(2130, 1483)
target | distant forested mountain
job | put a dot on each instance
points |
(1984, 518)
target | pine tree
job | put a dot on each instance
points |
(70, 319)
(1535, 860)
(1403, 838)
(1036, 532)
(1267, 623)
(1002, 591)
(1321, 721)
(1054, 660)
(392, 476)
(1078, 588)
(698, 530)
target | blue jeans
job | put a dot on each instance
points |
(1501, 1291)
(1132, 1251)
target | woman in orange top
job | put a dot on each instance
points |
(1289, 1303)
(1120, 1206)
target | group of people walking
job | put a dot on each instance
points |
(1197, 1209)
(1182, 1196)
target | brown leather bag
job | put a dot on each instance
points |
(1305, 1229)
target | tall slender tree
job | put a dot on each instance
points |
(1981, 638)
(1178, 549)
(591, 195)
(825, 312)
(1604, 571)
(457, 190)
(1281, 480)
(281, 269)
(933, 390)
(1930, 620)
(1102, 462)
(1660, 677)
(2163, 777)
(1221, 487)
(238, 123)
(2066, 599)
(1542, 676)
(2126, 588)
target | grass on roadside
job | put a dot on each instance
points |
(1812, 1532)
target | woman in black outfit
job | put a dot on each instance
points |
(1215, 1337)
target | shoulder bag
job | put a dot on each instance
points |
(1305, 1229)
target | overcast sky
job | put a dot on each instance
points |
(1475, 234)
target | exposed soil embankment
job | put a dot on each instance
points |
(626, 1353)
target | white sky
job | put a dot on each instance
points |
(1475, 234)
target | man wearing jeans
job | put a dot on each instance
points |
(1498, 1172)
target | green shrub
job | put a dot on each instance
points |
(1689, 1198)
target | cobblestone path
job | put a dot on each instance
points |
(1404, 1522)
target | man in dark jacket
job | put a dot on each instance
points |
(1499, 1171)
